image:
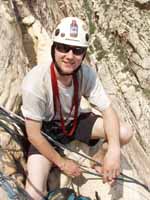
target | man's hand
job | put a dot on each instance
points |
(70, 167)
(110, 168)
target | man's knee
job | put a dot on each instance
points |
(126, 133)
(34, 193)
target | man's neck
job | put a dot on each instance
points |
(65, 80)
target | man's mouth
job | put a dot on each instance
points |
(69, 63)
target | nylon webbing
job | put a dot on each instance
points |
(57, 103)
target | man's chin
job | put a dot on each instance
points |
(65, 72)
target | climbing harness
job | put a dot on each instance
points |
(122, 177)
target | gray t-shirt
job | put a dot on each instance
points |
(37, 93)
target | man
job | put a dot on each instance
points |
(51, 100)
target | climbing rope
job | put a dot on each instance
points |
(123, 177)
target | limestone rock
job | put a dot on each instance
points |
(119, 50)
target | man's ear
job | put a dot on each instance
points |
(53, 52)
(84, 55)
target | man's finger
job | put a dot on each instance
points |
(112, 183)
(118, 172)
(114, 174)
(106, 175)
(98, 169)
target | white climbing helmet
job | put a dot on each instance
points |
(71, 31)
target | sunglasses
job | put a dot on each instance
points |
(63, 48)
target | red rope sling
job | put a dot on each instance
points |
(57, 103)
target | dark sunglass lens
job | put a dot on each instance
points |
(62, 48)
(78, 50)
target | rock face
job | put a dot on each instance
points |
(13, 60)
(119, 50)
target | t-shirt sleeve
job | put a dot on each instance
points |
(32, 107)
(94, 90)
(33, 101)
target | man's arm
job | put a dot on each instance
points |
(45, 148)
(111, 163)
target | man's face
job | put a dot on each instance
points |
(68, 58)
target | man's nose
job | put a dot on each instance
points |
(70, 54)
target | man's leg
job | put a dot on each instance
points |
(98, 133)
(125, 131)
(38, 169)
